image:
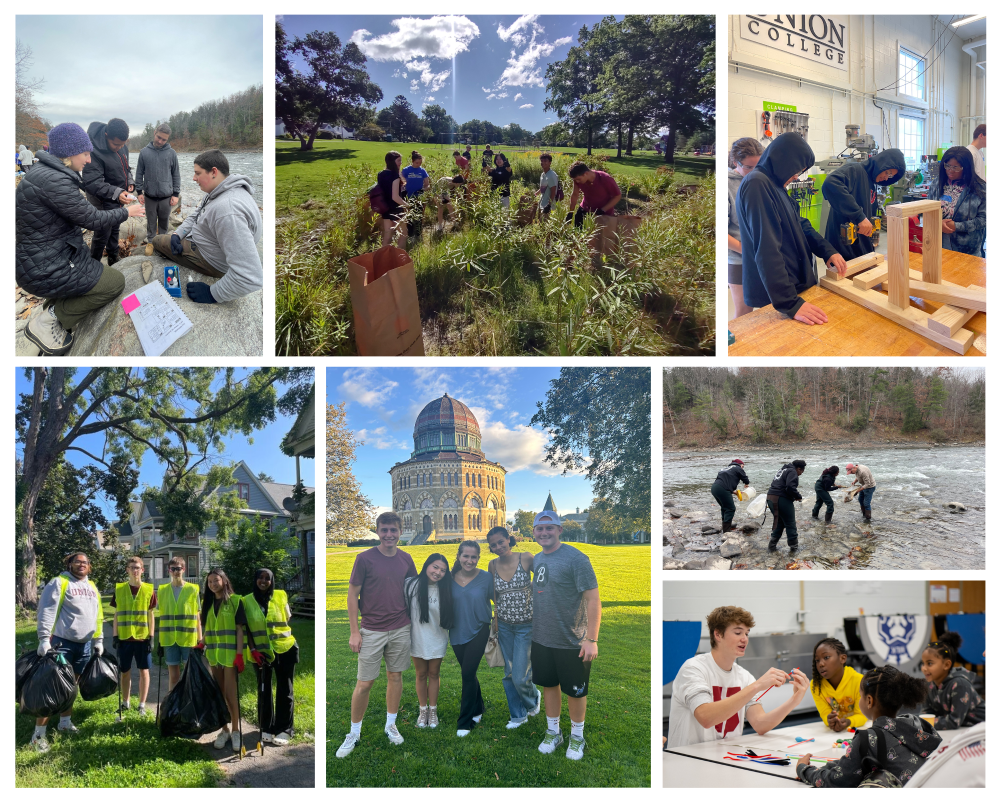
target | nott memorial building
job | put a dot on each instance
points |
(448, 490)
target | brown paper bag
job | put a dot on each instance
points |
(616, 230)
(386, 310)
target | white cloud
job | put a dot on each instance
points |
(367, 387)
(414, 86)
(436, 37)
(381, 439)
(517, 447)
(517, 29)
(523, 69)
(428, 100)
(518, 96)
(527, 105)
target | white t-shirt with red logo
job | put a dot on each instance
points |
(700, 680)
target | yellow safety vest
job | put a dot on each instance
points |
(63, 586)
(178, 618)
(131, 612)
(220, 633)
(278, 629)
(256, 629)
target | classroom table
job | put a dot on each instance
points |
(853, 330)
(704, 765)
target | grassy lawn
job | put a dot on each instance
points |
(106, 753)
(617, 731)
(302, 174)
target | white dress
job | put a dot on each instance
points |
(427, 639)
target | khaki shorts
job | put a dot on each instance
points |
(393, 646)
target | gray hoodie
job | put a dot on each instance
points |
(158, 174)
(734, 223)
(226, 227)
(78, 618)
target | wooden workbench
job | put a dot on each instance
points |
(853, 330)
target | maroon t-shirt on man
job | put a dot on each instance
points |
(600, 192)
(383, 607)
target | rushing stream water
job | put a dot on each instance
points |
(910, 528)
(241, 163)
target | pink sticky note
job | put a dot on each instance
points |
(130, 304)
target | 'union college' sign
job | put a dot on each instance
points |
(817, 37)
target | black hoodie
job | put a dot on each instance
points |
(851, 194)
(731, 476)
(786, 482)
(778, 244)
(108, 174)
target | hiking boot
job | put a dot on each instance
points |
(348, 746)
(47, 334)
(575, 749)
(432, 718)
(66, 726)
(815, 513)
(40, 743)
(868, 514)
(237, 741)
(282, 738)
(221, 740)
(394, 735)
(829, 516)
(550, 742)
(422, 718)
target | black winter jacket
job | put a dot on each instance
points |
(108, 174)
(827, 482)
(851, 194)
(778, 244)
(786, 482)
(731, 476)
(50, 257)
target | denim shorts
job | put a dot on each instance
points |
(134, 651)
(176, 655)
(76, 653)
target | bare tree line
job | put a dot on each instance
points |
(29, 126)
(233, 122)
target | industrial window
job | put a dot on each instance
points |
(911, 140)
(911, 74)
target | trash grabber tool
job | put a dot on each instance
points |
(159, 674)
(260, 690)
(239, 711)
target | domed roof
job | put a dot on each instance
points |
(446, 424)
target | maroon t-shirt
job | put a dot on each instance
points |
(596, 194)
(383, 607)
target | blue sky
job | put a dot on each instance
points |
(264, 455)
(138, 68)
(478, 67)
(383, 404)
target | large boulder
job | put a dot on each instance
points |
(220, 329)
(718, 562)
(730, 550)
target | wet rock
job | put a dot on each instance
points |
(730, 550)
(700, 548)
(675, 513)
(708, 530)
(718, 562)
(696, 564)
(668, 552)
(953, 506)
(750, 527)
(673, 563)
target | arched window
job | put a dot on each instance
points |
(466, 479)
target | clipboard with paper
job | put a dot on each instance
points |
(158, 319)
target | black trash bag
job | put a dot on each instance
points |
(50, 689)
(100, 677)
(196, 705)
(23, 667)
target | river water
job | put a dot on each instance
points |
(242, 163)
(910, 529)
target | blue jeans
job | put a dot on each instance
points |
(865, 498)
(76, 653)
(515, 644)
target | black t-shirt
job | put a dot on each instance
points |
(500, 178)
(385, 180)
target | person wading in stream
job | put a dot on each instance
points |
(826, 483)
(863, 475)
(784, 490)
(726, 482)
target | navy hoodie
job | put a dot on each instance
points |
(851, 194)
(778, 244)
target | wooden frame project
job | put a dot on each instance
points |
(944, 326)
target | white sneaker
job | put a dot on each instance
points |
(44, 331)
(538, 706)
(267, 737)
(40, 743)
(463, 732)
(282, 738)
(394, 735)
(478, 718)
(142, 710)
(66, 725)
(348, 746)
(221, 740)
(236, 741)
(432, 717)
(515, 724)
(422, 718)
(575, 749)
(550, 742)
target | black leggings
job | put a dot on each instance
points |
(279, 715)
(469, 655)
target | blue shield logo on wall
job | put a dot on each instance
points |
(898, 635)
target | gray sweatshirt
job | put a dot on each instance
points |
(226, 227)
(158, 174)
(734, 224)
(78, 618)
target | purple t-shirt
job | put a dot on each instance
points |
(382, 604)
(599, 192)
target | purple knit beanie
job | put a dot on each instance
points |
(68, 139)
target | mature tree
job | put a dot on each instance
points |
(441, 123)
(555, 134)
(599, 422)
(524, 522)
(333, 87)
(370, 132)
(29, 127)
(572, 531)
(178, 414)
(515, 134)
(349, 513)
(244, 543)
(400, 120)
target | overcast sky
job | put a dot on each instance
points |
(383, 404)
(163, 65)
(478, 67)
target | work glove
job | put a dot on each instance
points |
(98, 647)
(200, 646)
(238, 663)
(258, 657)
(200, 293)
(43, 647)
(599, 212)
(175, 245)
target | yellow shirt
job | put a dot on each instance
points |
(843, 699)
